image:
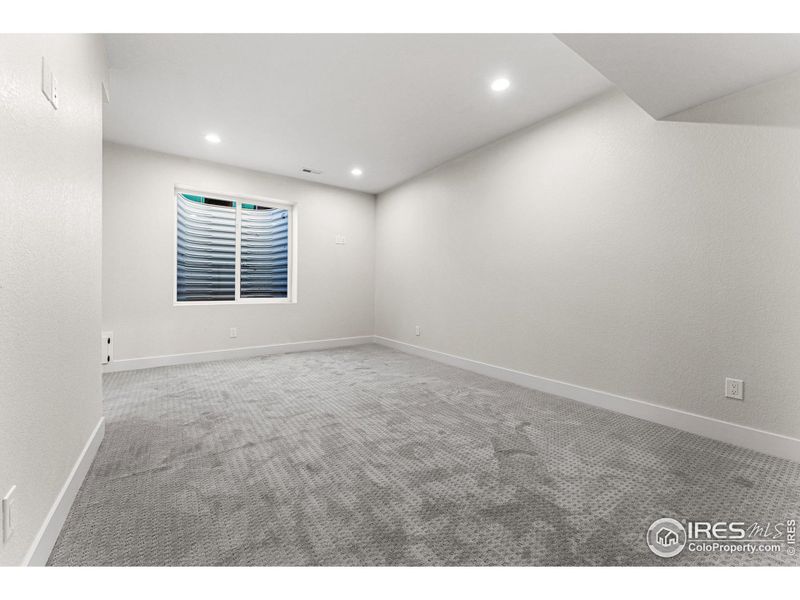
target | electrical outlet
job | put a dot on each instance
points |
(340, 239)
(106, 347)
(417, 330)
(734, 388)
(9, 519)
(234, 333)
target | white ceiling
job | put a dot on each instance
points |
(394, 105)
(669, 73)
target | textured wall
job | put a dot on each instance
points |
(50, 242)
(335, 282)
(605, 249)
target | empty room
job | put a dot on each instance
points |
(399, 299)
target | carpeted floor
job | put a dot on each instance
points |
(368, 456)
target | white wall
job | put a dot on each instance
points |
(335, 282)
(772, 103)
(608, 250)
(50, 241)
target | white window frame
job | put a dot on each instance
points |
(239, 199)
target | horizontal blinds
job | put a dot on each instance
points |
(264, 252)
(206, 237)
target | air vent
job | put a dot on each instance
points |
(310, 171)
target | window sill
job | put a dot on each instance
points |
(240, 302)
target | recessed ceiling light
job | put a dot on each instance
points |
(356, 172)
(500, 85)
(213, 138)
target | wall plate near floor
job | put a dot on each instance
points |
(734, 388)
(9, 520)
(106, 347)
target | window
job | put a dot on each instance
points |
(232, 249)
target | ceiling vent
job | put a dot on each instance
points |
(310, 171)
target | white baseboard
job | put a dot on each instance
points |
(739, 435)
(48, 533)
(130, 364)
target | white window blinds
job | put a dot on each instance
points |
(206, 249)
(213, 233)
(264, 251)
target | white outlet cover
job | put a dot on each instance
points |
(8, 514)
(106, 92)
(106, 347)
(234, 332)
(734, 388)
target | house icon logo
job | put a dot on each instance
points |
(666, 537)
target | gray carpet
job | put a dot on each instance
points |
(367, 456)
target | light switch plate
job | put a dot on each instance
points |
(47, 79)
(49, 84)
(54, 93)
